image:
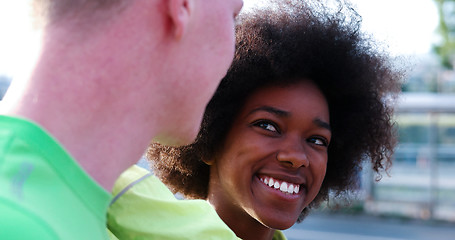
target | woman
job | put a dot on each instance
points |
(304, 103)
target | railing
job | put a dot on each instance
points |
(422, 179)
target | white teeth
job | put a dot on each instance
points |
(276, 185)
(291, 188)
(285, 187)
(271, 182)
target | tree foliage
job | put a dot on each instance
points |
(446, 30)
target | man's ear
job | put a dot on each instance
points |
(179, 12)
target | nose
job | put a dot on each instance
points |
(293, 155)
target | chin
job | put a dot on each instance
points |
(279, 224)
(283, 225)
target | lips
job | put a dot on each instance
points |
(283, 186)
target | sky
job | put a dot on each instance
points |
(406, 26)
(15, 34)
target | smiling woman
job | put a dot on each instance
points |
(273, 159)
(300, 109)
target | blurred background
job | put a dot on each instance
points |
(416, 199)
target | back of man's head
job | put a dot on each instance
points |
(50, 11)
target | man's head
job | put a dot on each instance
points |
(204, 31)
(170, 53)
(51, 11)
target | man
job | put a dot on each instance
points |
(111, 76)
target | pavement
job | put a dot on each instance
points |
(325, 226)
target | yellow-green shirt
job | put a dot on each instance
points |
(144, 208)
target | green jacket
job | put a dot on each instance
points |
(44, 193)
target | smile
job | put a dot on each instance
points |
(286, 187)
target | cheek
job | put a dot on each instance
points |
(229, 177)
(217, 52)
(318, 171)
(231, 39)
(237, 159)
(225, 35)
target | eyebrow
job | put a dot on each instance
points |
(282, 113)
(322, 124)
(272, 110)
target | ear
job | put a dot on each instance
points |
(208, 162)
(179, 12)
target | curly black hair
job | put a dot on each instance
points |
(281, 45)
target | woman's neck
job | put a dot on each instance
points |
(244, 225)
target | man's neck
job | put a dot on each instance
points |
(103, 144)
(105, 132)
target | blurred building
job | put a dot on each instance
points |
(422, 179)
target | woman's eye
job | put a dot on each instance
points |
(319, 141)
(266, 125)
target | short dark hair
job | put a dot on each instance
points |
(293, 41)
(49, 11)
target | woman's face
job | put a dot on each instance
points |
(274, 158)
